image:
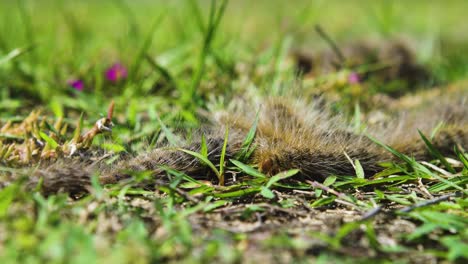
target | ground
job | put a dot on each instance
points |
(157, 72)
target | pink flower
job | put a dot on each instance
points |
(354, 78)
(116, 73)
(77, 84)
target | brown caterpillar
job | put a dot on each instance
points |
(290, 134)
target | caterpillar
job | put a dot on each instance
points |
(290, 135)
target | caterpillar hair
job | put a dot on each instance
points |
(290, 135)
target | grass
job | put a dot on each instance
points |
(190, 57)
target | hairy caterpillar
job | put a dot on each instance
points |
(290, 134)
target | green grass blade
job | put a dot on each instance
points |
(161, 70)
(220, 14)
(144, 48)
(448, 182)
(238, 193)
(267, 193)
(441, 186)
(213, 23)
(130, 15)
(436, 129)
(245, 151)
(57, 107)
(50, 141)
(435, 153)
(28, 25)
(77, 132)
(203, 159)
(7, 195)
(359, 169)
(463, 158)
(357, 119)
(196, 12)
(247, 169)
(179, 176)
(416, 166)
(15, 54)
(399, 155)
(204, 147)
(173, 139)
(223, 156)
(281, 176)
(330, 180)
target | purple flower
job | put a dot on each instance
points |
(354, 78)
(77, 84)
(116, 73)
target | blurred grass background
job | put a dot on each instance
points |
(81, 38)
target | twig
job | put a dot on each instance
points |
(441, 171)
(344, 199)
(371, 213)
(304, 192)
(429, 202)
(424, 190)
(316, 184)
(347, 203)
